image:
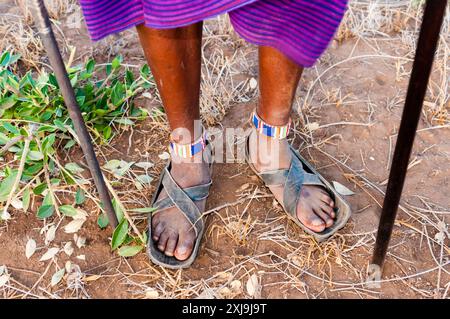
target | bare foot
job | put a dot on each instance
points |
(315, 206)
(171, 231)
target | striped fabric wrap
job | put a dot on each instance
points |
(278, 132)
(301, 29)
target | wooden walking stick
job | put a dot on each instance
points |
(54, 55)
(426, 47)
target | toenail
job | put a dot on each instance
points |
(317, 222)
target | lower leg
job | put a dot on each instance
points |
(174, 58)
(279, 77)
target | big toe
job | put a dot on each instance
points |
(311, 220)
(185, 246)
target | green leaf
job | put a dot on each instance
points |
(7, 185)
(80, 196)
(145, 71)
(48, 142)
(129, 251)
(45, 211)
(124, 121)
(68, 210)
(120, 234)
(107, 132)
(116, 62)
(4, 59)
(26, 199)
(102, 221)
(74, 168)
(47, 128)
(118, 210)
(33, 169)
(69, 144)
(112, 164)
(40, 188)
(48, 200)
(3, 139)
(144, 210)
(124, 167)
(35, 156)
(60, 125)
(8, 126)
(144, 179)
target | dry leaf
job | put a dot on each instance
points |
(144, 165)
(30, 248)
(68, 266)
(17, 203)
(164, 156)
(151, 293)
(81, 214)
(224, 275)
(312, 126)
(341, 189)
(92, 278)
(57, 276)
(4, 279)
(147, 95)
(80, 241)
(5, 215)
(236, 285)
(440, 237)
(297, 260)
(81, 257)
(225, 292)
(74, 226)
(68, 248)
(252, 285)
(50, 235)
(49, 254)
(243, 187)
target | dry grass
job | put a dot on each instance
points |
(296, 265)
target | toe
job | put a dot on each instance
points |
(311, 220)
(324, 216)
(163, 241)
(171, 244)
(328, 209)
(326, 198)
(185, 246)
(157, 228)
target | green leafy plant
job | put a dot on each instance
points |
(34, 125)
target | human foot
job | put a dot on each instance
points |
(172, 232)
(314, 206)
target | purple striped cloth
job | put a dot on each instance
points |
(301, 29)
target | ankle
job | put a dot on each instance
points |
(268, 152)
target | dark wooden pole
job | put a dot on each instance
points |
(57, 63)
(426, 48)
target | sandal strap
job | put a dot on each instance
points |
(295, 180)
(195, 193)
(182, 201)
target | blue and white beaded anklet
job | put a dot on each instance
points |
(278, 132)
(189, 150)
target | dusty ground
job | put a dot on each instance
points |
(348, 112)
